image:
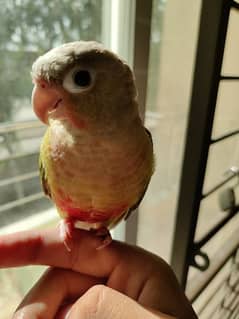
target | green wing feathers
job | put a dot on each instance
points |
(43, 177)
(128, 213)
(42, 164)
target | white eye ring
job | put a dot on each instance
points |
(78, 80)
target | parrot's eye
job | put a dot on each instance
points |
(82, 78)
(78, 80)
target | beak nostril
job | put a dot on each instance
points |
(42, 83)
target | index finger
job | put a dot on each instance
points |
(45, 247)
(129, 269)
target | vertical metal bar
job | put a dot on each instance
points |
(142, 49)
(118, 24)
(140, 66)
(212, 34)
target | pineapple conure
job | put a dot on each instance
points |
(96, 158)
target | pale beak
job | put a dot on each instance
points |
(45, 98)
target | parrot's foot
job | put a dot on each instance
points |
(104, 233)
(65, 228)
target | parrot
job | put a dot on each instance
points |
(96, 157)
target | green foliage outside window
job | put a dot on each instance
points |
(29, 28)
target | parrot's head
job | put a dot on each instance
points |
(83, 83)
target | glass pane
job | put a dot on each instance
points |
(226, 115)
(173, 44)
(20, 190)
(230, 61)
(211, 212)
(222, 156)
(27, 29)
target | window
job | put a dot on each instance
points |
(172, 52)
(27, 29)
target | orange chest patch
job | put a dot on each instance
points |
(91, 215)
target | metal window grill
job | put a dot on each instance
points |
(20, 191)
(216, 281)
(229, 306)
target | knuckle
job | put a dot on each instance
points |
(95, 299)
(97, 290)
(97, 294)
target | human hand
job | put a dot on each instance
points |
(119, 281)
(103, 302)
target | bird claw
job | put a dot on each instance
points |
(105, 243)
(106, 237)
(65, 230)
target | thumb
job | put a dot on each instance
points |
(103, 302)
